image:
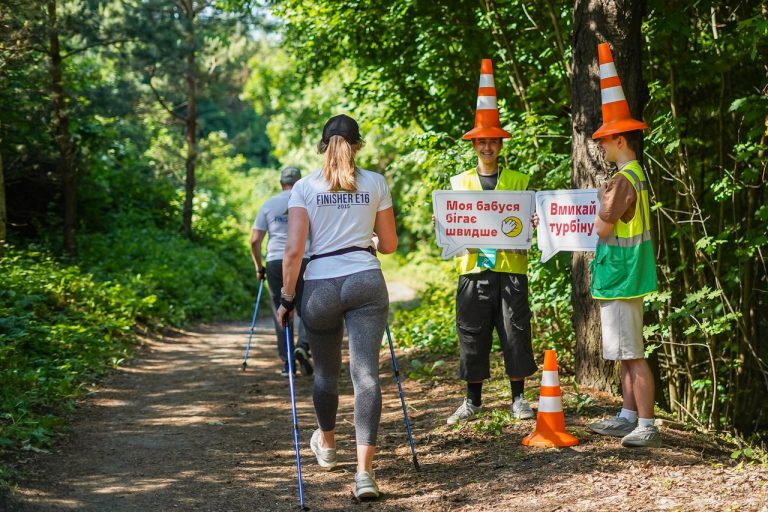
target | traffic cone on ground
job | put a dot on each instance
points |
(487, 122)
(550, 420)
(616, 116)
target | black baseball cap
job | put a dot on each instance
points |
(290, 175)
(342, 125)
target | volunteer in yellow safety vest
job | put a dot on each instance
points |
(492, 293)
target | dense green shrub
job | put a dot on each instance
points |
(59, 329)
(191, 281)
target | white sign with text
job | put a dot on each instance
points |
(483, 219)
(566, 221)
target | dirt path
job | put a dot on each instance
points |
(183, 428)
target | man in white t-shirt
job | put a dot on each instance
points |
(272, 219)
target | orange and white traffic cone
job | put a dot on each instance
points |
(616, 116)
(487, 124)
(550, 420)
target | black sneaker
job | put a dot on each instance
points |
(307, 368)
(285, 370)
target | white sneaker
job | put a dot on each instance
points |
(616, 427)
(648, 436)
(465, 412)
(326, 457)
(365, 486)
(521, 409)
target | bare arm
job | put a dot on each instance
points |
(257, 237)
(385, 230)
(298, 229)
(603, 228)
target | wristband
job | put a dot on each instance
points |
(287, 296)
(287, 304)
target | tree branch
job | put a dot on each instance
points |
(98, 43)
(162, 102)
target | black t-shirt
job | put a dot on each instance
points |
(489, 182)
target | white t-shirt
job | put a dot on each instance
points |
(273, 218)
(341, 219)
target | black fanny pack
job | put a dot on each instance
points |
(345, 250)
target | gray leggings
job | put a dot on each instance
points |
(361, 301)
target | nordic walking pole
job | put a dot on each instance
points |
(289, 347)
(402, 399)
(253, 322)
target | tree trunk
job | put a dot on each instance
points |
(190, 135)
(618, 23)
(3, 228)
(63, 139)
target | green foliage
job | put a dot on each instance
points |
(190, 281)
(582, 400)
(431, 325)
(422, 371)
(59, 329)
(549, 290)
(493, 422)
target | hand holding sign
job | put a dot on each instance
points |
(482, 220)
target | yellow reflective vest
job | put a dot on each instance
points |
(625, 266)
(510, 261)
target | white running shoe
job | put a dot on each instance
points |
(521, 409)
(465, 412)
(326, 457)
(365, 486)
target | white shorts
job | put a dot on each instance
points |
(622, 326)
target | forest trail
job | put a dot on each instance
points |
(181, 427)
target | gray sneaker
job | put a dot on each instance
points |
(365, 486)
(326, 457)
(616, 427)
(643, 437)
(521, 409)
(465, 412)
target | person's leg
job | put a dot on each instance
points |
(513, 323)
(474, 329)
(512, 320)
(322, 317)
(275, 282)
(627, 390)
(642, 386)
(627, 316)
(646, 434)
(365, 455)
(366, 304)
(617, 347)
(474, 325)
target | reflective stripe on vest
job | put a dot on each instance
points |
(624, 266)
(509, 261)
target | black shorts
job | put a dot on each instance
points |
(489, 300)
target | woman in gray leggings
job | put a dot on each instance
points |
(347, 214)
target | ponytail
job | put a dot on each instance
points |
(339, 167)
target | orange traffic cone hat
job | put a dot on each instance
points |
(616, 116)
(487, 122)
(550, 420)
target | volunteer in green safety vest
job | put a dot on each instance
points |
(623, 271)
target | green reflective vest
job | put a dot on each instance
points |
(509, 261)
(624, 266)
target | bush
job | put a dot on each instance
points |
(59, 329)
(192, 282)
